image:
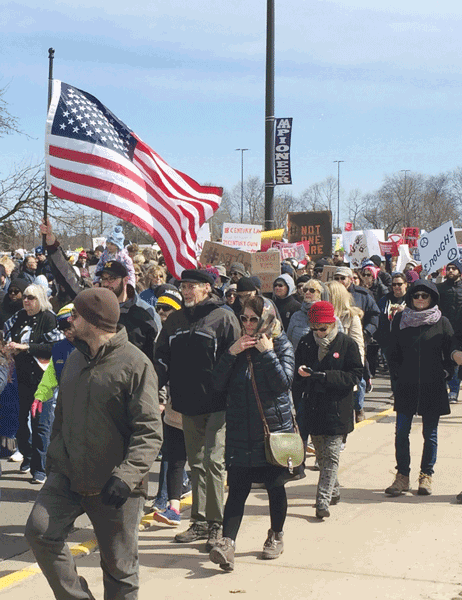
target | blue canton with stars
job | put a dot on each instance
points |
(81, 116)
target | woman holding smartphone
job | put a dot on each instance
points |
(328, 366)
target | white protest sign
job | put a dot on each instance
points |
(360, 244)
(404, 257)
(98, 241)
(438, 247)
(202, 235)
(242, 236)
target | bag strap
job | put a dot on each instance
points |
(260, 407)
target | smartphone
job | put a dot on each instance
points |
(307, 370)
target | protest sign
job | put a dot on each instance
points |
(202, 235)
(239, 235)
(410, 236)
(328, 273)
(438, 247)
(268, 236)
(266, 266)
(313, 227)
(214, 253)
(391, 246)
(99, 241)
(360, 244)
(404, 256)
(286, 250)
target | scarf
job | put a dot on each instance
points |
(325, 342)
(416, 318)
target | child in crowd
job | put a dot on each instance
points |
(115, 251)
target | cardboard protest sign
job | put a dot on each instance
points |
(328, 273)
(313, 227)
(438, 247)
(217, 254)
(266, 266)
(239, 235)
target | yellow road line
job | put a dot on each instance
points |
(374, 418)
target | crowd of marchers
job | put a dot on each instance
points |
(109, 362)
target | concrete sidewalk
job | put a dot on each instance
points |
(372, 547)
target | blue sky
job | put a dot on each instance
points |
(376, 84)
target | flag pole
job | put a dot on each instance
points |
(51, 55)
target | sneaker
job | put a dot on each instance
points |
(322, 513)
(425, 485)
(196, 531)
(360, 415)
(158, 505)
(452, 398)
(15, 457)
(25, 467)
(369, 386)
(170, 517)
(399, 486)
(274, 545)
(215, 534)
(38, 478)
(223, 554)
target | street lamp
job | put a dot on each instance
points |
(338, 192)
(242, 150)
(405, 171)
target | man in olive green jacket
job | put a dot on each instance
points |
(106, 435)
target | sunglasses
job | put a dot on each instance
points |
(246, 319)
(164, 308)
(229, 294)
(311, 290)
(14, 292)
(29, 297)
(367, 274)
(278, 285)
(421, 295)
(319, 329)
(397, 284)
(340, 278)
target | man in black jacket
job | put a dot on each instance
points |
(191, 342)
(450, 304)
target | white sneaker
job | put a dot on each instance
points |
(15, 457)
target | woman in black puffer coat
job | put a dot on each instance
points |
(419, 358)
(265, 344)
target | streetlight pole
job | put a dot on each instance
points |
(405, 171)
(242, 150)
(338, 192)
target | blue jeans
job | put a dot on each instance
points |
(454, 382)
(360, 395)
(430, 435)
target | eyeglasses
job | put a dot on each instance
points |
(323, 329)
(14, 292)
(421, 296)
(109, 278)
(164, 308)
(311, 290)
(278, 285)
(229, 294)
(397, 284)
(29, 297)
(339, 277)
(245, 319)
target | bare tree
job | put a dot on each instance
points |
(283, 204)
(8, 123)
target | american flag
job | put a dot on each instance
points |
(93, 158)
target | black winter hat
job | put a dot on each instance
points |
(423, 286)
(456, 263)
(197, 276)
(245, 284)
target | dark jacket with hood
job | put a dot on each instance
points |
(190, 344)
(328, 404)
(383, 333)
(9, 308)
(365, 301)
(420, 360)
(289, 305)
(273, 371)
(451, 299)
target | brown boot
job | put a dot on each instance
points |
(360, 415)
(399, 486)
(222, 554)
(274, 545)
(425, 485)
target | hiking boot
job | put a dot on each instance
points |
(214, 534)
(425, 485)
(274, 545)
(196, 531)
(399, 486)
(222, 554)
(360, 415)
(322, 513)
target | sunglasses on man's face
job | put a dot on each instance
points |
(164, 308)
(397, 284)
(421, 296)
(246, 319)
(340, 278)
(14, 292)
(323, 329)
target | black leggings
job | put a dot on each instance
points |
(240, 484)
(175, 453)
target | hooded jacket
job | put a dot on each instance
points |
(289, 305)
(107, 418)
(420, 360)
(190, 343)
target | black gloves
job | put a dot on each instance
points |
(318, 376)
(115, 492)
